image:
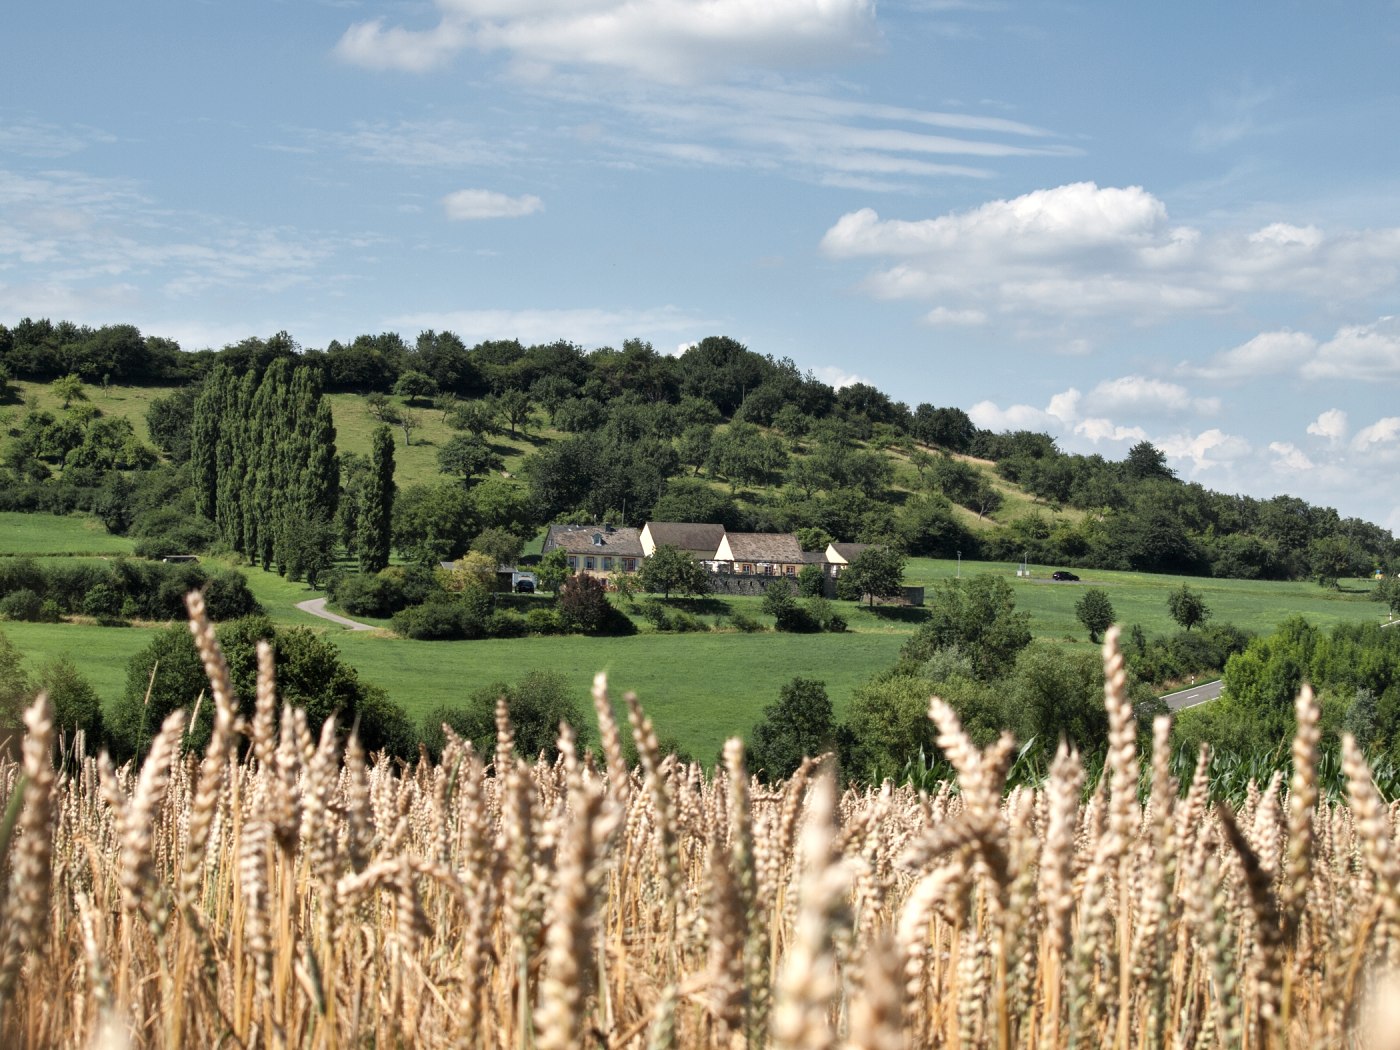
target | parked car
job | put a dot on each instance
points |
(524, 586)
(1064, 577)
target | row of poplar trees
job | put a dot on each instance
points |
(264, 464)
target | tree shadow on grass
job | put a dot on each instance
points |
(897, 613)
(701, 606)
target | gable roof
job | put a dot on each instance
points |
(848, 552)
(694, 537)
(765, 546)
(621, 542)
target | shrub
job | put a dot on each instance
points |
(583, 606)
(72, 697)
(684, 622)
(21, 574)
(102, 601)
(506, 623)
(440, 620)
(23, 605)
(310, 674)
(186, 536)
(542, 621)
(743, 622)
(537, 703)
(811, 581)
(383, 725)
(227, 597)
(799, 725)
(379, 594)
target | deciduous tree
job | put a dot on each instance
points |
(877, 572)
(1095, 612)
(671, 569)
(799, 725)
(1187, 607)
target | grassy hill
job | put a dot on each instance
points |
(415, 461)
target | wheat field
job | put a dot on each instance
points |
(275, 892)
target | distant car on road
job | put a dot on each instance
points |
(1064, 577)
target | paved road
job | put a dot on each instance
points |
(1200, 694)
(317, 607)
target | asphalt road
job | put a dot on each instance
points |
(1200, 694)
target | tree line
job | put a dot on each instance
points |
(647, 435)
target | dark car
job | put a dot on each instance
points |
(1064, 577)
(525, 587)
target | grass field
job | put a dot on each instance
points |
(354, 427)
(700, 687)
(53, 534)
(1141, 598)
(122, 402)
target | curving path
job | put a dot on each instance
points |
(317, 607)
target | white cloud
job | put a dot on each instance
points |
(1206, 450)
(1285, 235)
(1099, 430)
(1064, 406)
(1040, 224)
(839, 378)
(1331, 425)
(488, 204)
(941, 316)
(664, 40)
(1080, 251)
(990, 416)
(1360, 352)
(1290, 456)
(94, 241)
(371, 45)
(1268, 353)
(588, 326)
(1059, 417)
(1138, 394)
(1382, 432)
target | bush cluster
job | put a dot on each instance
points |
(125, 589)
(670, 620)
(384, 593)
(1174, 657)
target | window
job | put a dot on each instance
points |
(590, 563)
(629, 564)
(607, 565)
(767, 570)
(746, 568)
(790, 570)
(573, 564)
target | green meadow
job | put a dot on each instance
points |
(700, 687)
(57, 535)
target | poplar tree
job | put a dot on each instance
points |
(263, 460)
(377, 504)
(204, 440)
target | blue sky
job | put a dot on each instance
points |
(1107, 221)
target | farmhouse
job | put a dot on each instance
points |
(700, 541)
(840, 555)
(760, 554)
(596, 550)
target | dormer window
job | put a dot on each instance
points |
(597, 539)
